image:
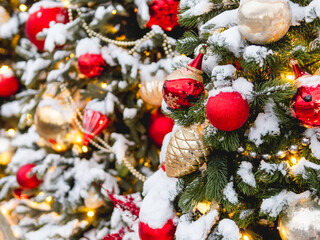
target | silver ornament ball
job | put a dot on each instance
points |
(253, 154)
(264, 21)
(293, 148)
(301, 221)
(281, 154)
(305, 141)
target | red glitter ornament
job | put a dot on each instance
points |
(227, 111)
(305, 104)
(93, 123)
(164, 233)
(25, 179)
(41, 19)
(159, 126)
(185, 85)
(9, 84)
(91, 65)
(115, 236)
(163, 13)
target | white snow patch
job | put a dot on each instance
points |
(230, 194)
(274, 205)
(266, 123)
(272, 168)
(300, 167)
(314, 143)
(245, 172)
(129, 113)
(256, 54)
(88, 45)
(196, 230)
(244, 87)
(228, 230)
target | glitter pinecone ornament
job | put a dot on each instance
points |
(305, 104)
(185, 85)
(186, 151)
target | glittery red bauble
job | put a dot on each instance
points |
(41, 19)
(8, 85)
(91, 65)
(159, 126)
(93, 123)
(305, 105)
(164, 13)
(227, 111)
(164, 233)
(24, 179)
(185, 85)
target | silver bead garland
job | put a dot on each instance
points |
(91, 33)
(104, 146)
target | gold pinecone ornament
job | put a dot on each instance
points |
(186, 151)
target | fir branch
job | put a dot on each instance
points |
(245, 188)
(244, 218)
(192, 115)
(193, 193)
(227, 141)
(217, 176)
(188, 43)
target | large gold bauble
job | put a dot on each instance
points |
(4, 15)
(151, 91)
(264, 21)
(301, 221)
(53, 121)
(186, 151)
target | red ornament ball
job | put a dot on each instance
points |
(24, 178)
(21, 193)
(41, 19)
(305, 105)
(159, 126)
(163, 13)
(185, 85)
(227, 111)
(164, 233)
(91, 65)
(9, 84)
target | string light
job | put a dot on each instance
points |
(245, 237)
(290, 77)
(11, 132)
(114, 12)
(23, 8)
(41, 193)
(104, 85)
(29, 116)
(293, 160)
(84, 149)
(4, 69)
(90, 213)
(49, 199)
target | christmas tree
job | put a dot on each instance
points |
(81, 124)
(81, 85)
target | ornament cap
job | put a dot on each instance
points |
(196, 65)
(298, 72)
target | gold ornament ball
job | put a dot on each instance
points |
(54, 123)
(6, 151)
(151, 91)
(264, 21)
(301, 221)
(4, 15)
(186, 151)
(93, 200)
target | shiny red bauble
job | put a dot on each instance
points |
(41, 19)
(163, 13)
(9, 85)
(91, 65)
(160, 126)
(164, 233)
(305, 105)
(227, 111)
(93, 123)
(185, 85)
(25, 178)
